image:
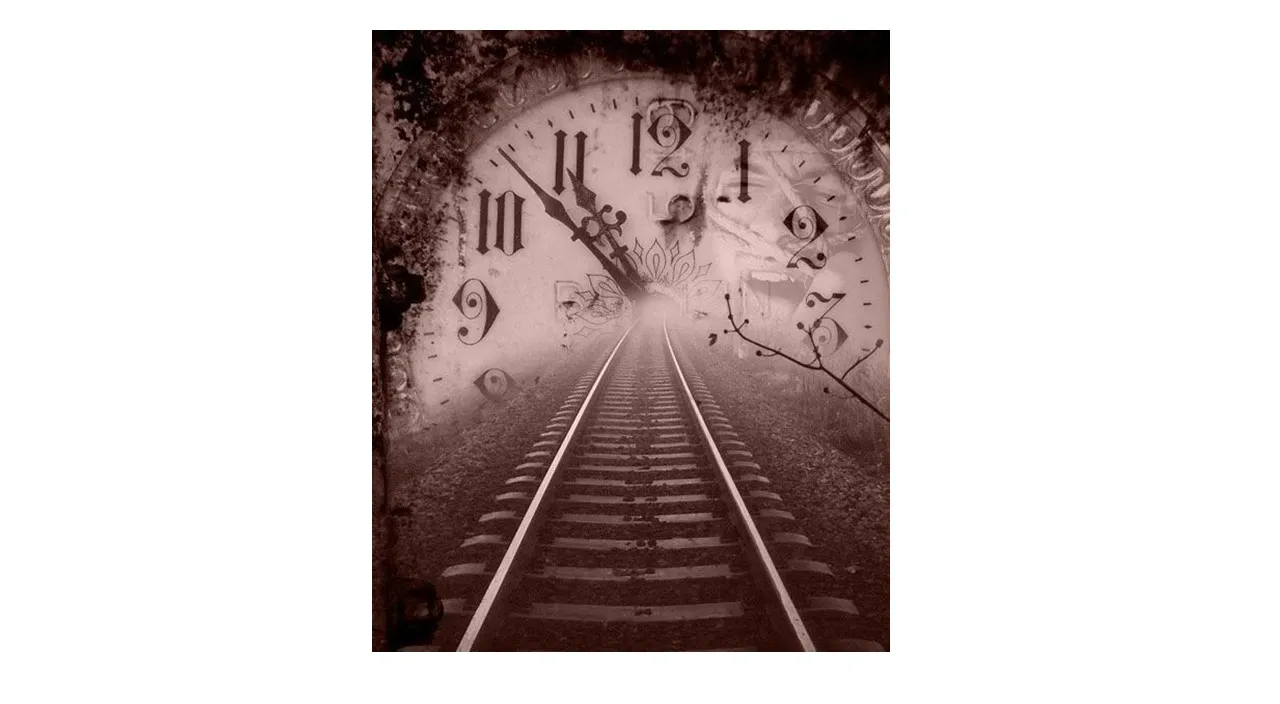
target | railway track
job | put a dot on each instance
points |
(640, 522)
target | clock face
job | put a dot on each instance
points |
(581, 204)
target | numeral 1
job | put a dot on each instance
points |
(742, 172)
(635, 143)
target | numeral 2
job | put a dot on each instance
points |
(805, 222)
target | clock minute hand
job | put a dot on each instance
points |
(553, 206)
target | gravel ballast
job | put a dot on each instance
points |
(441, 483)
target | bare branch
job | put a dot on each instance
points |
(737, 329)
(816, 364)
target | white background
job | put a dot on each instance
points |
(1083, 372)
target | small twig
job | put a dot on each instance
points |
(863, 359)
(817, 355)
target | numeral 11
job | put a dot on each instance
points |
(581, 139)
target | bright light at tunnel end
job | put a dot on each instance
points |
(656, 307)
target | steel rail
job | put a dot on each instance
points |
(760, 553)
(498, 585)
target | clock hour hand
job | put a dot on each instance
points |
(585, 196)
(553, 206)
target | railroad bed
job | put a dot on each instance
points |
(640, 522)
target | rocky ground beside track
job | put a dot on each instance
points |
(441, 483)
(841, 501)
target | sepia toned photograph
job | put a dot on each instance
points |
(631, 341)
(630, 353)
